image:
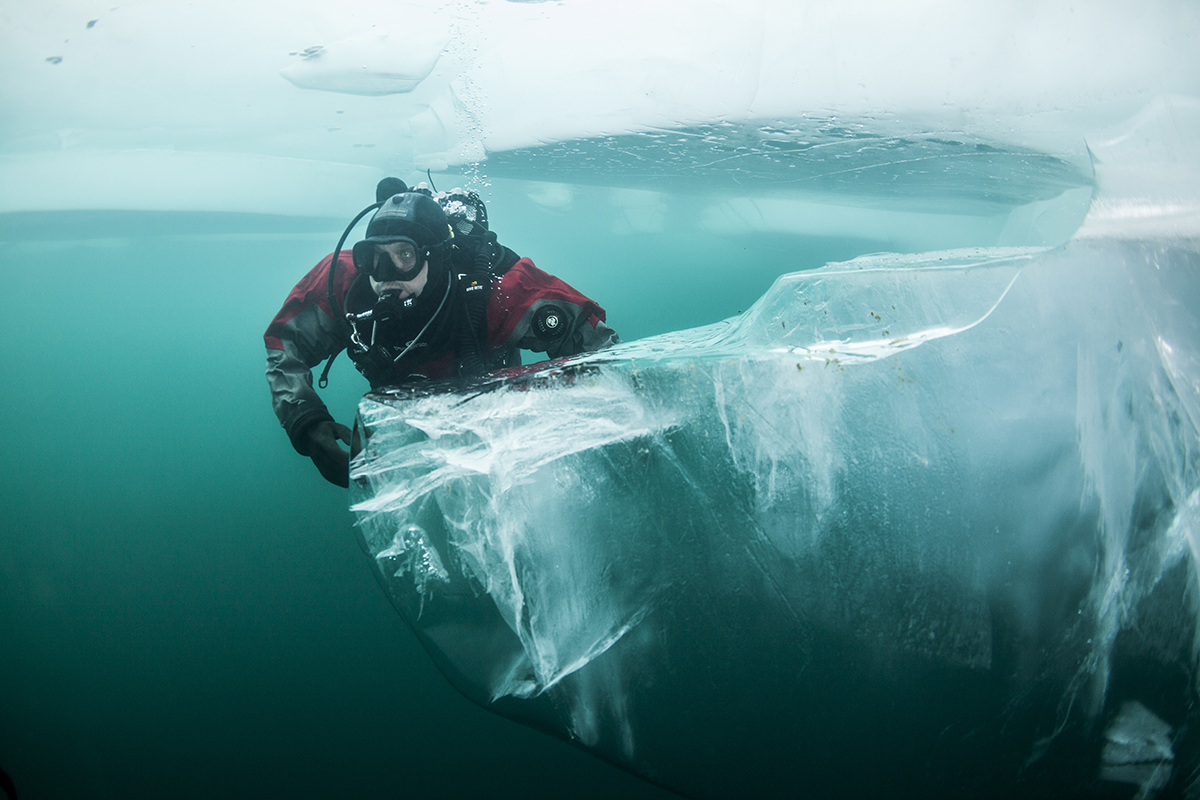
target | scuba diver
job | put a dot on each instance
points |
(429, 293)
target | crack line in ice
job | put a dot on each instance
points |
(850, 170)
(597, 649)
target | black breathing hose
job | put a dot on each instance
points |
(333, 304)
(337, 251)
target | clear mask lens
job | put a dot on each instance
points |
(397, 262)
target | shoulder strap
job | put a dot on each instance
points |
(324, 380)
(475, 287)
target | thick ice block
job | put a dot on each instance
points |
(910, 524)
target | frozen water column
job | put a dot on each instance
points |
(911, 522)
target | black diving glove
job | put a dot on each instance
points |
(332, 461)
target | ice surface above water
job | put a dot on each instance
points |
(249, 108)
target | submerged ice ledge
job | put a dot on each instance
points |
(861, 310)
(924, 297)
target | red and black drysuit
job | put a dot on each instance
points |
(525, 309)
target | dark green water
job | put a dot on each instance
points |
(184, 606)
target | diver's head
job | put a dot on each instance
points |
(407, 240)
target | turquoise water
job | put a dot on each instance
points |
(185, 609)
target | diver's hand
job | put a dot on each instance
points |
(329, 456)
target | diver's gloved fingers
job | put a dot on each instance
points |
(325, 435)
(342, 432)
(331, 460)
(336, 473)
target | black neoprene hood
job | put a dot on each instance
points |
(409, 215)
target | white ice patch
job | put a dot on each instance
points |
(374, 63)
(1148, 174)
(1138, 750)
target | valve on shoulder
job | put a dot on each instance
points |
(550, 323)
(465, 210)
